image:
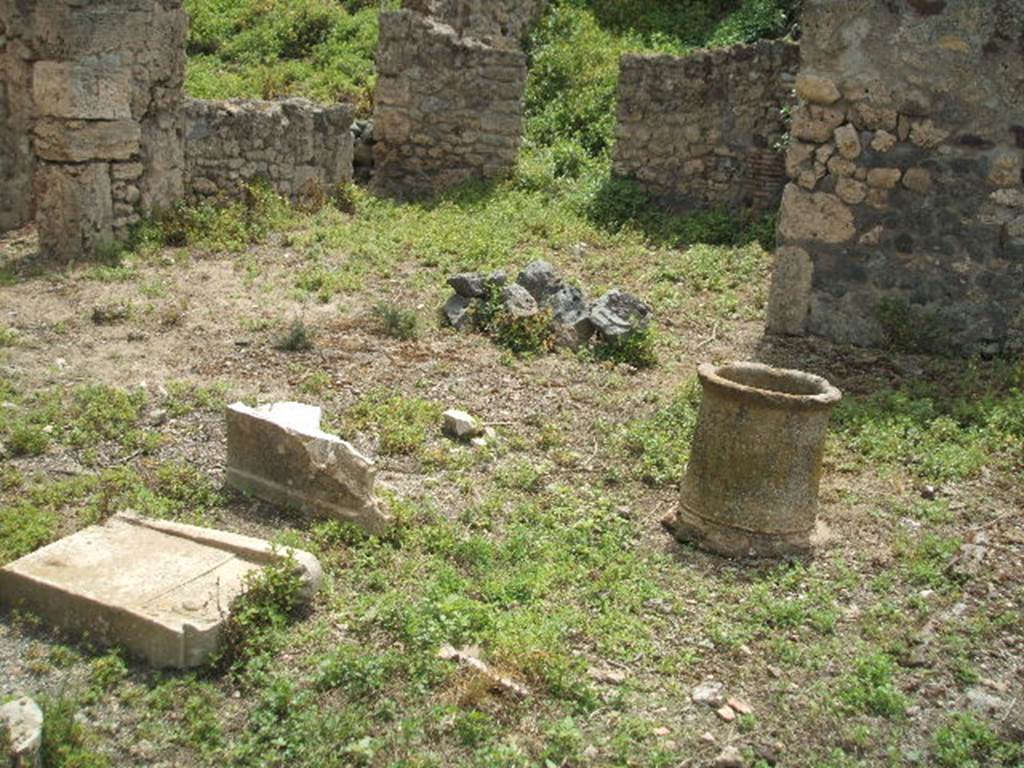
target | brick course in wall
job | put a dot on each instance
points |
(448, 109)
(704, 130)
(301, 149)
(904, 219)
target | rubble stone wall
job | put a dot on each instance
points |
(448, 109)
(16, 160)
(107, 90)
(299, 148)
(705, 130)
(904, 219)
(499, 23)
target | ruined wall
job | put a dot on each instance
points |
(704, 130)
(904, 221)
(447, 109)
(107, 87)
(300, 148)
(499, 23)
(16, 161)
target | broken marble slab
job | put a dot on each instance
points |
(21, 733)
(279, 453)
(161, 590)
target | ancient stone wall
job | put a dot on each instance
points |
(301, 149)
(704, 130)
(448, 109)
(904, 220)
(499, 23)
(107, 89)
(16, 161)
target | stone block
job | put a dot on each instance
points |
(74, 209)
(814, 216)
(161, 590)
(77, 141)
(21, 733)
(789, 299)
(279, 453)
(97, 89)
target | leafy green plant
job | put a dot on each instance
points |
(524, 336)
(271, 598)
(636, 349)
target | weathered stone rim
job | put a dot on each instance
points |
(805, 390)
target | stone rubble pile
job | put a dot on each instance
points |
(539, 290)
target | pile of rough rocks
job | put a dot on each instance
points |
(613, 318)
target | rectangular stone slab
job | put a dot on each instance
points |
(279, 453)
(162, 590)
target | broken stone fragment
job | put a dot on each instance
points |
(21, 733)
(279, 453)
(518, 302)
(457, 312)
(161, 590)
(470, 285)
(461, 425)
(710, 693)
(617, 315)
(476, 285)
(541, 281)
(570, 318)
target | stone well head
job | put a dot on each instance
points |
(751, 486)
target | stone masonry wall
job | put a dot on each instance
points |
(499, 23)
(107, 88)
(16, 161)
(448, 109)
(299, 148)
(704, 130)
(904, 220)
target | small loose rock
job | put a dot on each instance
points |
(461, 425)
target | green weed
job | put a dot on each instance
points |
(397, 322)
(297, 338)
(869, 688)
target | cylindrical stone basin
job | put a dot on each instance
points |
(751, 486)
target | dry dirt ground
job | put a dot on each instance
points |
(902, 635)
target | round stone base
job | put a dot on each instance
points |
(736, 542)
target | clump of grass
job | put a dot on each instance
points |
(67, 742)
(8, 337)
(27, 439)
(658, 446)
(297, 338)
(397, 322)
(402, 424)
(965, 741)
(869, 688)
